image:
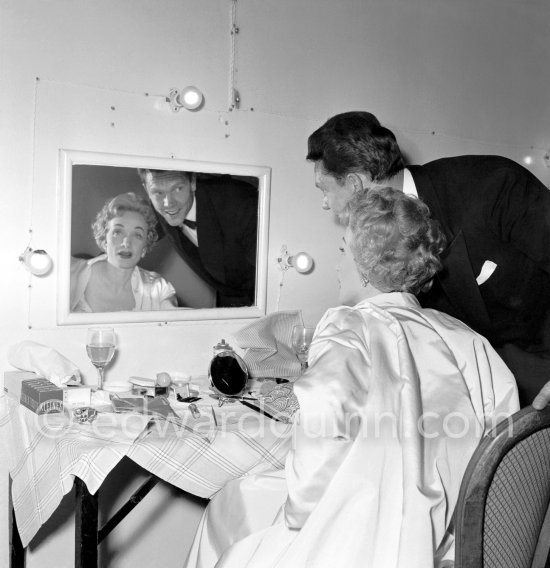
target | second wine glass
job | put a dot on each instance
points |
(301, 340)
(100, 346)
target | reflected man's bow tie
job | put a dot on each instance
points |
(190, 224)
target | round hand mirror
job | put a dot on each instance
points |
(228, 373)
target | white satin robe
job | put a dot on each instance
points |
(393, 405)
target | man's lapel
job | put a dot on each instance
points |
(187, 251)
(209, 232)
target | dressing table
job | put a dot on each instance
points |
(48, 454)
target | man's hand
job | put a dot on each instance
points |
(543, 398)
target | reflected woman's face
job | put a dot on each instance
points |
(126, 239)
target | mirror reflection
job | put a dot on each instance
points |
(202, 239)
(174, 239)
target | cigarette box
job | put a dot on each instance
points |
(41, 396)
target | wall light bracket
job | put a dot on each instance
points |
(301, 261)
(189, 98)
(37, 262)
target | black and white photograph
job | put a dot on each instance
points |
(277, 284)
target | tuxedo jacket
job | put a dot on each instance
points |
(227, 220)
(491, 209)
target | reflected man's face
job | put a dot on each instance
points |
(336, 194)
(172, 195)
(126, 239)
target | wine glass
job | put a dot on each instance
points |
(301, 340)
(100, 346)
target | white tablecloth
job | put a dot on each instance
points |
(46, 452)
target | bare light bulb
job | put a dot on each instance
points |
(37, 262)
(302, 262)
(191, 98)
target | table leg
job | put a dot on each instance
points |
(86, 524)
(17, 559)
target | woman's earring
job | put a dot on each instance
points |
(364, 281)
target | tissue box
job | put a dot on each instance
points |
(13, 381)
(41, 396)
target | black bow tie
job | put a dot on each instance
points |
(190, 224)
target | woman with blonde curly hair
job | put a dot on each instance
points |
(125, 230)
(393, 404)
(393, 242)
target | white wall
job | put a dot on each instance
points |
(448, 77)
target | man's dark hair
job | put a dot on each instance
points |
(142, 172)
(354, 142)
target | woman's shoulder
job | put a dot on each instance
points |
(343, 326)
(78, 264)
(153, 283)
(149, 275)
(341, 316)
(444, 320)
(81, 265)
(351, 317)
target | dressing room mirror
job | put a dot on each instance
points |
(217, 268)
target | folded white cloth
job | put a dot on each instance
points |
(44, 361)
(268, 345)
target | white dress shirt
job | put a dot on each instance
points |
(409, 188)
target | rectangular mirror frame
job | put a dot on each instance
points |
(69, 158)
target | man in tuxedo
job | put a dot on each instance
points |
(212, 222)
(496, 217)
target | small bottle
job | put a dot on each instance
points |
(162, 383)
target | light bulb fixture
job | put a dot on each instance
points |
(302, 261)
(37, 262)
(190, 98)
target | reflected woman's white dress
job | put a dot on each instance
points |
(392, 407)
(151, 291)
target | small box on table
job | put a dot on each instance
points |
(77, 395)
(41, 396)
(13, 381)
(74, 395)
